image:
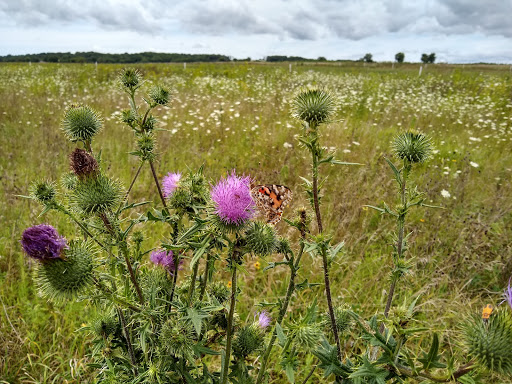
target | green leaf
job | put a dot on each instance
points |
(290, 372)
(196, 317)
(338, 162)
(305, 285)
(431, 360)
(281, 337)
(395, 171)
(197, 254)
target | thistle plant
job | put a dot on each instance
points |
(166, 316)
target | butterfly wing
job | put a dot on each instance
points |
(271, 199)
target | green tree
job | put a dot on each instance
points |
(432, 58)
(399, 57)
(424, 58)
(368, 58)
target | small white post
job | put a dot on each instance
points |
(184, 65)
(29, 63)
(96, 66)
(393, 66)
(421, 69)
(290, 67)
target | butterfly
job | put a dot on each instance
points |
(271, 200)
(486, 312)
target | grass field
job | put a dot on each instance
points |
(229, 116)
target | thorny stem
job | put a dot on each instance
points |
(157, 184)
(128, 341)
(324, 256)
(400, 240)
(294, 267)
(175, 275)
(193, 282)
(309, 374)
(130, 188)
(205, 277)
(464, 369)
(229, 332)
(123, 247)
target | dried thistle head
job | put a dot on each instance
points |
(82, 163)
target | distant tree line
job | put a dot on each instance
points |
(92, 57)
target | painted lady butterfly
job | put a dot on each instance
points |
(271, 200)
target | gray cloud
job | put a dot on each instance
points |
(285, 19)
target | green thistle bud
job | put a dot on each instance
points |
(149, 124)
(81, 123)
(44, 192)
(130, 78)
(314, 106)
(412, 147)
(219, 291)
(159, 95)
(490, 343)
(146, 147)
(248, 340)
(128, 117)
(283, 246)
(177, 338)
(342, 317)
(137, 237)
(105, 325)
(261, 238)
(60, 279)
(69, 181)
(307, 336)
(156, 285)
(97, 195)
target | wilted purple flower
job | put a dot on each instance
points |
(165, 259)
(42, 242)
(508, 293)
(170, 183)
(232, 198)
(264, 319)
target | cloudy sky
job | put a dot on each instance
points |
(456, 30)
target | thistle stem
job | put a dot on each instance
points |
(229, 332)
(175, 276)
(294, 267)
(130, 188)
(193, 282)
(124, 250)
(157, 184)
(309, 375)
(113, 296)
(327, 283)
(205, 277)
(128, 341)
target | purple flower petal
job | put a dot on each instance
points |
(508, 293)
(42, 242)
(264, 319)
(232, 199)
(165, 259)
(170, 183)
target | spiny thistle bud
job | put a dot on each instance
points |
(219, 291)
(137, 237)
(69, 181)
(412, 147)
(60, 279)
(97, 195)
(159, 95)
(248, 339)
(177, 338)
(342, 317)
(44, 192)
(261, 238)
(130, 78)
(314, 106)
(307, 336)
(128, 117)
(283, 246)
(146, 147)
(81, 123)
(82, 163)
(156, 284)
(149, 124)
(105, 325)
(489, 343)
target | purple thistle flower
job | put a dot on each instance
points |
(264, 319)
(170, 183)
(232, 197)
(42, 242)
(165, 259)
(508, 294)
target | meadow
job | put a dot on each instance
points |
(237, 116)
